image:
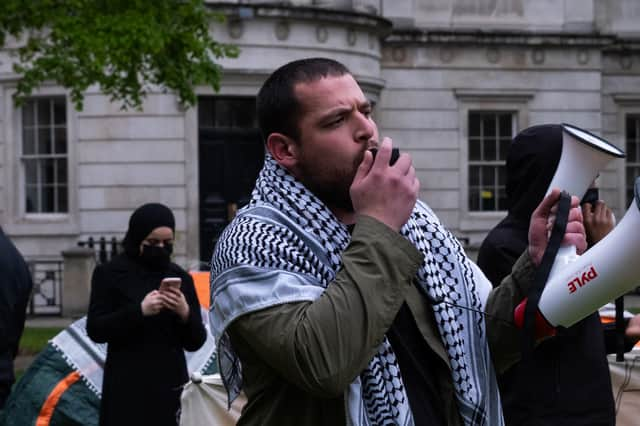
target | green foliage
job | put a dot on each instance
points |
(125, 46)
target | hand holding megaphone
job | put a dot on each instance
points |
(542, 222)
(608, 270)
(563, 303)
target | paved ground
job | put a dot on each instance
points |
(48, 321)
(22, 362)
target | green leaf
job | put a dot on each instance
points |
(124, 46)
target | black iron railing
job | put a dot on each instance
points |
(46, 297)
(105, 248)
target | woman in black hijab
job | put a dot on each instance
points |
(147, 329)
(570, 382)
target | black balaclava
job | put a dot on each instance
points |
(145, 219)
(531, 164)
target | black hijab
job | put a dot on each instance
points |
(145, 219)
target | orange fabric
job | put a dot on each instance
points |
(49, 406)
(201, 282)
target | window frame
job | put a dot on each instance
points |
(17, 220)
(627, 163)
(37, 158)
(626, 104)
(494, 164)
(515, 102)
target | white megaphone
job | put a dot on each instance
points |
(583, 156)
(606, 271)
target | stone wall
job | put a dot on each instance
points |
(551, 60)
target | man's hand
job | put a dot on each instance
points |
(386, 193)
(174, 301)
(542, 222)
(152, 303)
(598, 221)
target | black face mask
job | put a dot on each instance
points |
(156, 257)
(591, 196)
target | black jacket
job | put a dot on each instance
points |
(145, 366)
(15, 289)
(568, 383)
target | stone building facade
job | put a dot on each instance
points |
(452, 80)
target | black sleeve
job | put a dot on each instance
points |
(106, 320)
(15, 291)
(25, 287)
(193, 332)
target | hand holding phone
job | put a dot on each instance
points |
(170, 282)
(174, 300)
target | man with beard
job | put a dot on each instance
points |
(337, 296)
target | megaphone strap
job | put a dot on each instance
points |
(542, 274)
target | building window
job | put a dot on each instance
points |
(44, 155)
(490, 135)
(633, 153)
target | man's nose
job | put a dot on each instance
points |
(366, 128)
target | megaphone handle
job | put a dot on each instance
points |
(542, 274)
(620, 329)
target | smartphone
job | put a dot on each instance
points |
(170, 282)
(395, 153)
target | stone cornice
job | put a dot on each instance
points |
(379, 25)
(624, 45)
(497, 37)
(507, 95)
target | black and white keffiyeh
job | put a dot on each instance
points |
(286, 246)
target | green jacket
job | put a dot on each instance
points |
(299, 358)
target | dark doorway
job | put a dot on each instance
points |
(231, 154)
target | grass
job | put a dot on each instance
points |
(33, 340)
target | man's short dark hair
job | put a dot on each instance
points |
(278, 109)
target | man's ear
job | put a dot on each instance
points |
(284, 150)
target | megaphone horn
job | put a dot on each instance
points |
(583, 156)
(606, 271)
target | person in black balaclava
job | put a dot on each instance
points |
(147, 329)
(570, 384)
